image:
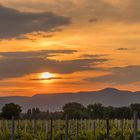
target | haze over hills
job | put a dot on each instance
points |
(52, 102)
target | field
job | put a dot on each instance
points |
(68, 130)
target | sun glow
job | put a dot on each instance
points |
(46, 75)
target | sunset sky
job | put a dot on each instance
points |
(54, 46)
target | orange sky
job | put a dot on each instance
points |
(82, 45)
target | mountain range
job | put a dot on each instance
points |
(54, 102)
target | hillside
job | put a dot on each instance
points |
(108, 96)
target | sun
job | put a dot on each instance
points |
(46, 75)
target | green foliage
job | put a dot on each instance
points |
(93, 128)
(85, 131)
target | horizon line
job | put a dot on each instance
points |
(70, 92)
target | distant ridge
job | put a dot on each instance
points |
(108, 96)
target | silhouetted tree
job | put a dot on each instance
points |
(135, 107)
(10, 110)
(74, 110)
(96, 111)
(29, 113)
(110, 112)
(78, 111)
(35, 113)
(123, 113)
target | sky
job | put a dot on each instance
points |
(56, 46)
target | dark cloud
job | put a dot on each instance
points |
(91, 10)
(120, 75)
(33, 54)
(122, 49)
(125, 49)
(17, 64)
(14, 23)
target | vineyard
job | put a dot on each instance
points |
(75, 122)
(69, 129)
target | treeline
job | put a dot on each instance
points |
(79, 111)
(72, 111)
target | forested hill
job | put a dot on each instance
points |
(108, 96)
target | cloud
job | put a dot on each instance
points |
(17, 64)
(34, 54)
(133, 10)
(93, 55)
(15, 23)
(44, 79)
(125, 49)
(122, 49)
(125, 11)
(94, 10)
(120, 75)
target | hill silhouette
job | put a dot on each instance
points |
(52, 102)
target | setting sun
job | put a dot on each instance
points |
(84, 45)
(46, 75)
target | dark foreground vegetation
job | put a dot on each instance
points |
(73, 111)
(74, 122)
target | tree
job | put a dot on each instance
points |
(10, 110)
(135, 107)
(29, 113)
(110, 112)
(96, 111)
(35, 113)
(123, 113)
(74, 110)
